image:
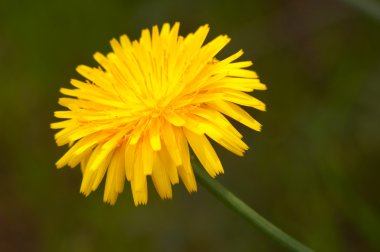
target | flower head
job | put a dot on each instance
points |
(136, 115)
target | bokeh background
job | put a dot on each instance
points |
(313, 170)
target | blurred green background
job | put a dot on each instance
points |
(312, 170)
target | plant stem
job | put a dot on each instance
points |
(369, 7)
(245, 211)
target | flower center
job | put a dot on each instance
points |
(157, 110)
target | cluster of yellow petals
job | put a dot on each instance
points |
(137, 114)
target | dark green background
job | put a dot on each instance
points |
(313, 170)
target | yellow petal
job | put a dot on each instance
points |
(115, 177)
(154, 135)
(161, 179)
(205, 153)
(185, 170)
(171, 144)
(237, 113)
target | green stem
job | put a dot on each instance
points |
(245, 211)
(369, 7)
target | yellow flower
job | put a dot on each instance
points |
(136, 114)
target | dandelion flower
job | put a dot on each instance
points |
(137, 114)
